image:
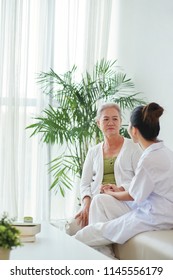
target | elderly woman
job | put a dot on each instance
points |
(147, 204)
(110, 163)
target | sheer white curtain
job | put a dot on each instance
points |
(85, 32)
(36, 35)
(25, 49)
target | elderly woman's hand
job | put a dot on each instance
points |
(109, 191)
(110, 187)
(83, 215)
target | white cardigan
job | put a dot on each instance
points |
(124, 167)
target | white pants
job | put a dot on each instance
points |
(103, 208)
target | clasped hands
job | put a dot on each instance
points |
(109, 189)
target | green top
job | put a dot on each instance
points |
(108, 175)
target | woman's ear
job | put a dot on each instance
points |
(134, 131)
(135, 134)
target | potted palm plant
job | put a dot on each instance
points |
(69, 120)
(9, 237)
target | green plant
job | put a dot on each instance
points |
(70, 116)
(9, 235)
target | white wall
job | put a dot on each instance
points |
(145, 50)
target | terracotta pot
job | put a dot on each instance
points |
(4, 254)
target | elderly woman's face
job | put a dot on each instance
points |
(109, 122)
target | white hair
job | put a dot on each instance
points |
(105, 106)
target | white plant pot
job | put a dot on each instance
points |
(4, 254)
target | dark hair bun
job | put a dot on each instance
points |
(151, 113)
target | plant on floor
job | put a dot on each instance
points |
(69, 119)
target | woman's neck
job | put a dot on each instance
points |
(146, 143)
(113, 141)
(112, 145)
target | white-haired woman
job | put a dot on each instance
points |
(110, 163)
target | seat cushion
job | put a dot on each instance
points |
(152, 245)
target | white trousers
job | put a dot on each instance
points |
(103, 208)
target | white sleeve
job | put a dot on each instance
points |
(87, 176)
(142, 185)
(135, 157)
(127, 164)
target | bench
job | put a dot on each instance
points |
(151, 245)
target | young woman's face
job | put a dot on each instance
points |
(109, 122)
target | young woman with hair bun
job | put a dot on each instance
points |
(116, 216)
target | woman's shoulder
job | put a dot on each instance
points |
(129, 142)
(96, 147)
(158, 153)
(131, 148)
(94, 151)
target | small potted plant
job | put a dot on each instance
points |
(9, 236)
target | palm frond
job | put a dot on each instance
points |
(61, 168)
